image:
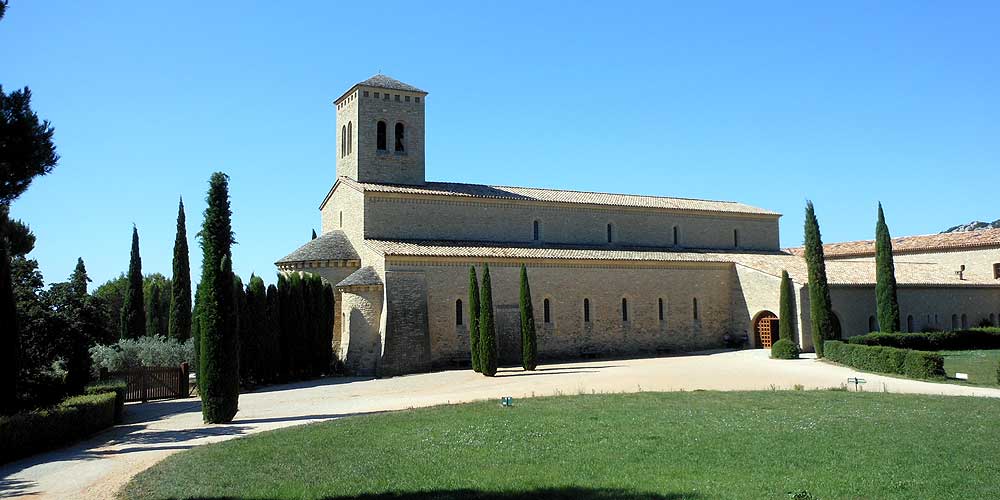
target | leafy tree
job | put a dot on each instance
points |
(529, 340)
(886, 301)
(133, 315)
(153, 310)
(218, 370)
(179, 321)
(9, 341)
(474, 318)
(786, 309)
(26, 147)
(820, 310)
(487, 330)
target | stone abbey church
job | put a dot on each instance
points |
(611, 274)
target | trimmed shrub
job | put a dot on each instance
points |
(119, 387)
(784, 349)
(961, 340)
(906, 362)
(35, 431)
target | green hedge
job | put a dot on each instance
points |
(34, 431)
(906, 362)
(785, 349)
(960, 340)
(116, 386)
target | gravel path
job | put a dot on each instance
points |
(98, 467)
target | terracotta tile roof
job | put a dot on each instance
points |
(329, 246)
(557, 196)
(839, 273)
(914, 244)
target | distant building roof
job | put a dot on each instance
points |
(364, 276)
(914, 244)
(383, 82)
(333, 245)
(842, 273)
(556, 196)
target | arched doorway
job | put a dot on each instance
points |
(765, 329)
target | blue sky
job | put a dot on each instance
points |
(767, 103)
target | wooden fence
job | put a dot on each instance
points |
(147, 383)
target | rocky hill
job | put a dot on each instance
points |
(973, 226)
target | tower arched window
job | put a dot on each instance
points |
(380, 135)
(624, 309)
(586, 310)
(400, 140)
(458, 312)
(350, 136)
(546, 317)
(534, 234)
(343, 141)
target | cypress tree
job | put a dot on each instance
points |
(285, 327)
(272, 337)
(180, 292)
(218, 371)
(474, 318)
(487, 330)
(529, 341)
(242, 330)
(255, 340)
(82, 320)
(820, 310)
(296, 335)
(9, 335)
(329, 314)
(886, 302)
(133, 315)
(153, 310)
(786, 309)
(314, 234)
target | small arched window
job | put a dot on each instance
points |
(736, 238)
(400, 140)
(677, 239)
(694, 307)
(624, 309)
(350, 136)
(458, 312)
(609, 233)
(954, 322)
(586, 310)
(341, 218)
(545, 311)
(343, 141)
(909, 323)
(872, 324)
(535, 231)
(659, 308)
(965, 321)
(993, 319)
(380, 135)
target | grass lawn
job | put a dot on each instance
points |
(980, 365)
(691, 445)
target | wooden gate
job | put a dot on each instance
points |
(766, 329)
(147, 383)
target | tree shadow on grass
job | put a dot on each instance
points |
(568, 493)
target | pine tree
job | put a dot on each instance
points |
(886, 301)
(9, 333)
(487, 330)
(529, 341)
(133, 315)
(153, 310)
(79, 279)
(180, 291)
(786, 309)
(218, 371)
(474, 318)
(820, 310)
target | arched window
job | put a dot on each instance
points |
(965, 321)
(458, 312)
(400, 140)
(872, 324)
(993, 319)
(694, 308)
(659, 307)
(609, 233)
(545, 311)
(350, 136)
(909, 323)
(343, 141)
(535, 231)
(624, 309)
(736, 238)
(380, 135)
(586, 310)
(954, 322)
(677, 239)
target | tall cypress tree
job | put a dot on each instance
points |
(82, 322)
(180, 292)
(218, 371)
(272, 342)
(9, 335)
(474, 318)
(529, 341)
(328, 316)
(153, 310)
(820, 310)
(786, 309)
(886, 301)
(133, 315)
(487, 330)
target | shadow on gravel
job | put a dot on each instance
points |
(540, 494)
(307, 384)
(532, 374)
(15, 487)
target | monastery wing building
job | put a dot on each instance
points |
(611, 274)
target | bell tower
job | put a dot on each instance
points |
(380, 132)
